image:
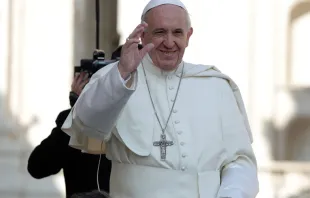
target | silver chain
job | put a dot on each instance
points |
(175, 99)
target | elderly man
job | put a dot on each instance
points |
(172, 129)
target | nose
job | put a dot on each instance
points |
(169, 41)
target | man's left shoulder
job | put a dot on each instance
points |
(211, 72)
(221, 84)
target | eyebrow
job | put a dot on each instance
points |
(158, 30)
(163, 29)
(179, 29)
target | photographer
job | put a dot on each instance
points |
(54, 154)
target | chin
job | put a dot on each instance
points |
(167, 65)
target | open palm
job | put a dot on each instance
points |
(131, 56)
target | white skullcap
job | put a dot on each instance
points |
(155, 3)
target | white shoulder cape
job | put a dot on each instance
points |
(91, 145)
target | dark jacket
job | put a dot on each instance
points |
(80, 169)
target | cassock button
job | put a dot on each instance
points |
(169, 77)
(182, 143)
(172, 100)
(179, 132)
(171, 88)
(175, 111)
(183, 155)
(177, 122)
(183, 168)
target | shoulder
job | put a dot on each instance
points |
(213, 74)
(222, 84)
(220, 87)
(208, 72)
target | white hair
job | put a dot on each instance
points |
(188, 19)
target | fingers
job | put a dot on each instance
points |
(132, 41)
(138, 31)
(80, 80)
(146, 49)
(81, 86)
(134, 37)
(76, 76)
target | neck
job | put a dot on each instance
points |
(168, 69)
(151, 67)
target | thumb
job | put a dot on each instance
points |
(146, 49)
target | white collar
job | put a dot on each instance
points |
(150, 67)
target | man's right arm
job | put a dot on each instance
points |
(49, 157)
(100, 104)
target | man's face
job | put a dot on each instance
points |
(169, 32)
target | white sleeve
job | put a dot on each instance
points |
(100, 104)
(239, 171)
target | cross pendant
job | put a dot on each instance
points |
(163, 144)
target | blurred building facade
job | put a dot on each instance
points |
(263, 45)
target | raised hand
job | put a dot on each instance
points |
(79, 82)
(131, 56)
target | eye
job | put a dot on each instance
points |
(159, 32)
(178, 32)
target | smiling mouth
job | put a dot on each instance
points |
(168, 53)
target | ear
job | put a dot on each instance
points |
(188, 35)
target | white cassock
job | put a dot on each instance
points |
(212, 155)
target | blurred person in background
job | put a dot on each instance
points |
(54, 153)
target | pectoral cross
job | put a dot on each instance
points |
(163, 144)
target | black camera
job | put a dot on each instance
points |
(91, 66)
